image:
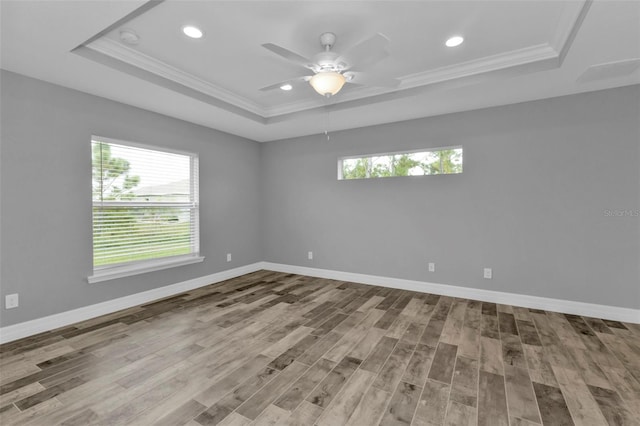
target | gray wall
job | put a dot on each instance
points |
(46, 195)
(531, 203)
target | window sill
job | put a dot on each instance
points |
(126, 271)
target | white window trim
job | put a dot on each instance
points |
(140, 145)
(108, 273)
(113, 273)
(410, 151)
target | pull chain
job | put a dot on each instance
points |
(326, 118)
(326, 126)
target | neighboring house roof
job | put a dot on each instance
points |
(172, 188)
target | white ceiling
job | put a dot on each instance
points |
(514, 51)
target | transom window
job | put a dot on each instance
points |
(437, 161)
(145, 208)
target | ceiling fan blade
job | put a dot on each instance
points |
(372, 80)
(294, 82)
(288, 55)
(370, 61)
(366, 52)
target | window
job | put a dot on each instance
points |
(439, 161)
(145, 208)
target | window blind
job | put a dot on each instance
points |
(145, 204)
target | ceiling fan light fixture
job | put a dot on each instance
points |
(327, 83)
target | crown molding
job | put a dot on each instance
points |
(529, 56)
(526, 59)
(524, 56)
(569, 24)
(148, 63)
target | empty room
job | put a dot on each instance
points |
(319, 213)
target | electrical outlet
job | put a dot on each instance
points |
(488, 273)
(432, 267)
(228, 257)
(11, 301)
(310, 255)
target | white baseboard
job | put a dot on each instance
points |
(535, 302)
(51, 322)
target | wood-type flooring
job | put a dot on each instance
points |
(270, 348)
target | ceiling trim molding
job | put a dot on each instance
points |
(521, 60)
(148, 63)
(570, 23)
(471, 79)
(158, 80)
(527, 55)
(139, 11)
(532, 55)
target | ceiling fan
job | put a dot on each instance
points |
(332, 70)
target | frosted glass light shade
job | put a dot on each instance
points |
(327, 83)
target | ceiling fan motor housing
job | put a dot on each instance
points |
(326, 61)
(327, 40)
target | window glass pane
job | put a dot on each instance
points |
(433, 162)
(127, 234)
(144, 204)
(126, 173)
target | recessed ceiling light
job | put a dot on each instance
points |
(286, 87)
(191, 31)
(454, 41)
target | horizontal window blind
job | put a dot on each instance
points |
(145, 204)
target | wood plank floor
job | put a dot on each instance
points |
(281, 349)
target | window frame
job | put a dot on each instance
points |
(121, 270)
(389, 153)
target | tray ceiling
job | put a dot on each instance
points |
(513, 51)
